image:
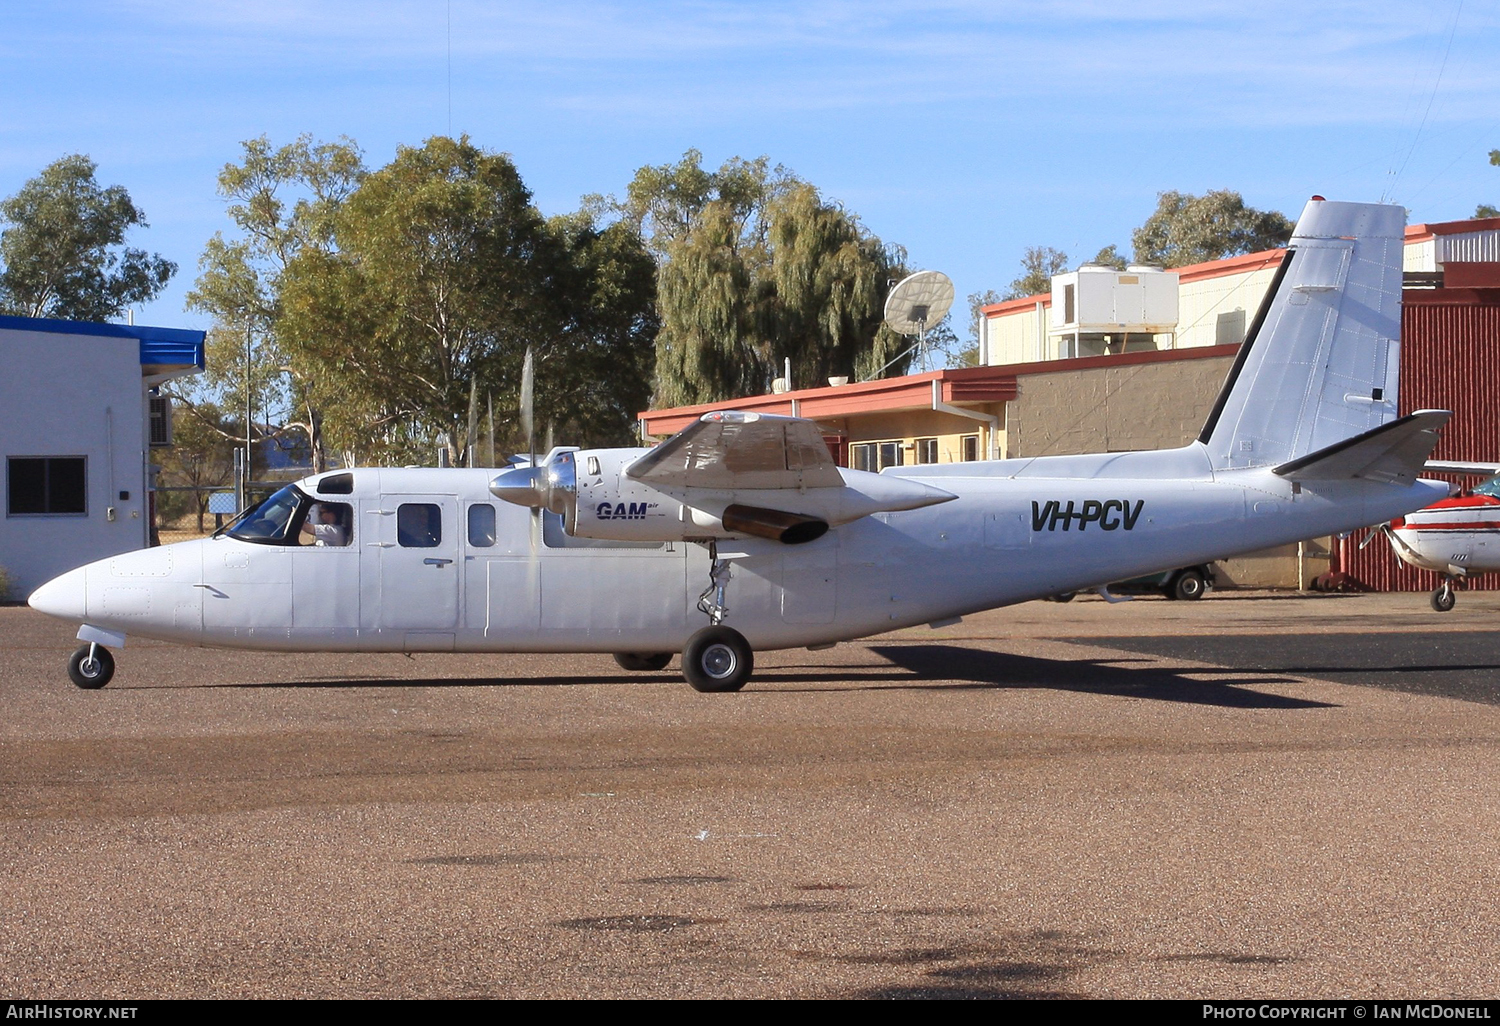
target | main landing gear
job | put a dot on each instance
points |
(91, 666)
(1443, 598)
(717, 658)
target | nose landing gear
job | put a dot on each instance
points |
(91, 666)
(1443, 598)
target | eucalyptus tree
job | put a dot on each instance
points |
(1186, 229)
(283, 202)
(63, 247)
(442, 273)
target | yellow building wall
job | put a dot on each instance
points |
(906, 426)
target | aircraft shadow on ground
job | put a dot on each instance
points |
(974, 667)
(928, 667)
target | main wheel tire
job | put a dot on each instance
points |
(717, 659)
(1443, 598)
(1064, 596)
(1188, 585)
(91, 672)
(649, 661)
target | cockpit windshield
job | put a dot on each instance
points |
(273, 521)
(1490, 488)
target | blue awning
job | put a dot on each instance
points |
(163, 350)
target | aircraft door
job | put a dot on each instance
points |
(413, 581)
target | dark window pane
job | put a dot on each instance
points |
(65, 491)
(336, 484)
(482, 525)
(419, 525)
(27, 486)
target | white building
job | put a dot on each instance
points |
(1215, 301)
(75, 434)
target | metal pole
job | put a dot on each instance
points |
(249, 443)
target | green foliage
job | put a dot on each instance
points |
(4, 584)
(1485, 210)
(756, 268)
(201, 457)
(1038, 265)
(63, 248)
(1110, 257)
(283, 201)
(1188, 229)
(441, 274)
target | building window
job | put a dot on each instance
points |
(875, 456)
(926, 450)
(46, 486)
(970, 444)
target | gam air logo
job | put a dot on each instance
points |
(622, 510)
(1111, 514)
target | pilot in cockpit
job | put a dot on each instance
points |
(327, 530)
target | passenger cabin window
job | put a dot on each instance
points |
(328, 525)
(46, 486)
(419, 525)
(481, 525)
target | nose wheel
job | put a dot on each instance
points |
(91, 666)
(1443, 597)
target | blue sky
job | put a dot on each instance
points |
(963, 131)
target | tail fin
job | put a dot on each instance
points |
(1319, 364)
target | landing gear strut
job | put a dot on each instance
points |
(1443, 597)
(91, 666)
(712, 601)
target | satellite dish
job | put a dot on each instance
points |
(918, 302)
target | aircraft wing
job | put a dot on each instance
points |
(730, 449)
(1396, 451)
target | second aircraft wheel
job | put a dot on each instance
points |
(643, 660)
(717, 659)
(1443, 598)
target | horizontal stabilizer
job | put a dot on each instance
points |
(1393, 453)
(1451, 467)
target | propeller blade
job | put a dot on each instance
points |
(528, 413)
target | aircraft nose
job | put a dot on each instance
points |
(62, 596)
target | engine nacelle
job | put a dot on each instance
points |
(590, 491)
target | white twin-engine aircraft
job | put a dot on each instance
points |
(610, 550)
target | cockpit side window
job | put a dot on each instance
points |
(336, 484)
(328, 525)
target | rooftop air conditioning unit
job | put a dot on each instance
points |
(1101, 300)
